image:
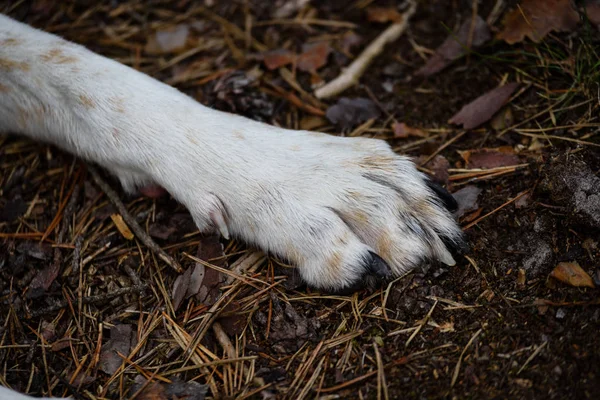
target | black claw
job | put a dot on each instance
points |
(448, 200)
(376, 271)
(378, 267)
(457, 246)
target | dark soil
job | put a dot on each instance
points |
(495, 319)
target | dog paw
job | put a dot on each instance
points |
(346, 211)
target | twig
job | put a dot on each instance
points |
(478, 220)
(350, 76)
(132, 223)
(532, 356)
(442, 147)
(224, 340)
(457, 368)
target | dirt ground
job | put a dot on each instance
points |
(90, 311)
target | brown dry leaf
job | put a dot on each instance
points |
(313, 56)
(171, 40)
(484, 107)
(402, 131)
(278, 58)
(502, 120)
(536, 18)
(42, 280)
(61, 344)
(81, 379)
(472, 216)
(542, 305)
(122, 339)
(347, 113)
(490, 157)
(592, 11)
(205, 281)
(572, 274)
(122, 226)
(456, 46)
(383, 14)
(233, 319)
(49, 331)
(523, 201)
(439, 167)
(200, 281)
(466, 199)
(180, 288)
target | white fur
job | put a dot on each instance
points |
(320, 201)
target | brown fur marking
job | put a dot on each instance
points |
(86, 101)
(10, 64)
(56, 56)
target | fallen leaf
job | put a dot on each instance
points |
(168, 41)
(42, 280)
(572, 274)
(523, 201)
(49, 331)
(484, 107)
(490, 158)
(122, 339)
(206, 282)
(278, 58)
(383, 14)
(439, 168)
(536, 18)
(472, 216)
(233, 319)
(37, 250)
(313, 56)
(502, 120)
(456, 45)
(180, 288)
(61, 344)
(466, 199)
(402, 131)
(592, 11)
(348, 113)
(122, 226)
(80, 378)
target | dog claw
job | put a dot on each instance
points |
(219, 222)
(447, 258)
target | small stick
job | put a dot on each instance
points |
(457, 368)
(132, 223)
(350, 76)
(532, 356)
(478, 220)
